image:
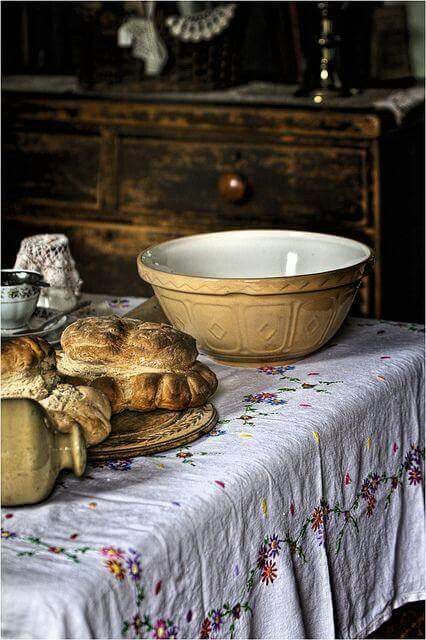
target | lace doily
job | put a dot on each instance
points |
(201, 26)
(141, 34)
(50, 255)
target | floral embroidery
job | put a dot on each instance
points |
(216, 619)
(112, 553)
(216, 432)
(133, 565)
(119, 303)
(126, 566)
(281, 371)
(184, 455)
(7, 534)
(187, 456)
(116, 568)
(115, 465)
(164, 629)
(269, 572)
(367, 496)
(263, 556)
(274, 398)
(274, 371)
(40, 546)
(274, 546)
(206, 628)
(269, 398)
(138, 626)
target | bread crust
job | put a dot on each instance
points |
(127, 342)
(138, 365)
(147, 391)
(87, 407)
(28, 368)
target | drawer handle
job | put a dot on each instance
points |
(233, 187)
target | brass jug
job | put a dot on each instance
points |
(33, 452)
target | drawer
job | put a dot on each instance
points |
(303, 185)
(52, 168)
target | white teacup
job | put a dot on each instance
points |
(20, 291)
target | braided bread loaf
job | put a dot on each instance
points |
(137, 365)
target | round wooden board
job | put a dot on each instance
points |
(141, 434)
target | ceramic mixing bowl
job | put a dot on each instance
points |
(252, 297)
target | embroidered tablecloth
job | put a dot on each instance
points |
(300, 516)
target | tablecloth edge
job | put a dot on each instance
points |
(390, 606)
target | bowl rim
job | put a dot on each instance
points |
(268, 279)
(38, 284)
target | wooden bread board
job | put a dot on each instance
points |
(149, 311)
(141, 434)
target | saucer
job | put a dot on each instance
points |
(41, 315)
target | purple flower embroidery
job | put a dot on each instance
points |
(217, 619)
(274, 546)
(417, 454)
(7, 534)
(408, 460)
(415, 476)
(269, 398)
(374, 482)
(133, 565)
(273, 371)
(172, 632)
(119, 303)
(119, 465)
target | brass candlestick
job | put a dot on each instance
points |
(329, 83)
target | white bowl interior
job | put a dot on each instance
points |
(255, 254)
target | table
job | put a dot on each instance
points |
(301, 515)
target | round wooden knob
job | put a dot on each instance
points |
(232, 187)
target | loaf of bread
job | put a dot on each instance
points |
(87, 407)
(28, 368)
(137, 365)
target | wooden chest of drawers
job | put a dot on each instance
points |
(117, 175)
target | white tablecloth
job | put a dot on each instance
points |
(300, 516)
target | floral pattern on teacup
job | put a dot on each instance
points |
(18, 292)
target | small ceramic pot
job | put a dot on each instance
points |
(33, 452)
(20, 291)
(58, 298)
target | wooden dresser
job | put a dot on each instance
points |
(118, 173)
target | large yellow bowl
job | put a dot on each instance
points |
(256, 297)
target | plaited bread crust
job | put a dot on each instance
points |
(28, 368)
(126, 342)
(138, 365)
(149, 391)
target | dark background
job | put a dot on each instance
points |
(60, 169)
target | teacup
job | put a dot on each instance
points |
(20, 291)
